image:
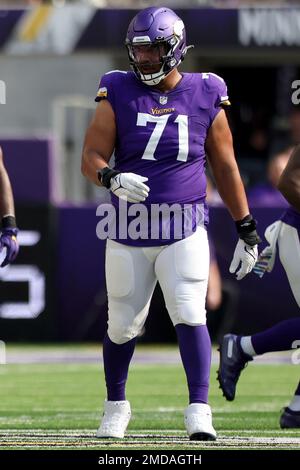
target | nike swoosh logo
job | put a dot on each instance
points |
(249, 252)
(230, 348)
(117, 180)
(245, 224)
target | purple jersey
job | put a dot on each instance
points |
(162, 136)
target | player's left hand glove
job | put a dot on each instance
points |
(8, 240)
(245, 254)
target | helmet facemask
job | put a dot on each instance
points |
(159, 61)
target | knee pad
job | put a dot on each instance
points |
(188, 305)
(289, 253)
(120, 285)
(120, 322)
(192, 270)
(124, 323)
(128, 298)
(119, 336)
(188, 309)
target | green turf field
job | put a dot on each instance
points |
(59, 406)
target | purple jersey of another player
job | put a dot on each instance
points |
(162, 135)
(265, 195)
(292, 218)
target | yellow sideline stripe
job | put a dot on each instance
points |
(34, 22)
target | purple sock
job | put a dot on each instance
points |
(278, 338)
(116, 359)
(195, 350)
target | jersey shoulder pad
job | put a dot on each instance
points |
(108, 82)
(215, 84)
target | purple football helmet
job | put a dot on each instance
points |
(161, 27)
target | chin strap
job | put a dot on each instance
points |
(154, 78)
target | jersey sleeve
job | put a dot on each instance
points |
(217, 88)
(106, 89)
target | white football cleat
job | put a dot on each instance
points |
(198, 422)
(116, 417)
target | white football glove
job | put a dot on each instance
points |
(130, 187)
(266, 259)
(265, 262)
(244, 255)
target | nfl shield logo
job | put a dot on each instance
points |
(163, 99)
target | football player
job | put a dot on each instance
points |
(237, 351)
(160, 123)
(8, 236)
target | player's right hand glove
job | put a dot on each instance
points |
(130, 187)
(245, 254)
(8, 240)
(127, 186)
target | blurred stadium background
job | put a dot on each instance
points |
(52, 54)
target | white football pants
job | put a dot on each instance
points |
(132, 272)
(289, 253)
